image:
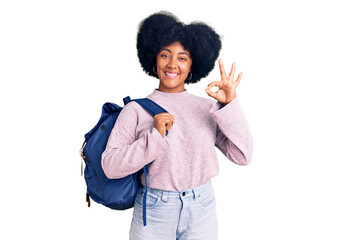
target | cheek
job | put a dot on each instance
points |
(186, 68)
(189, 65)
(159, 63)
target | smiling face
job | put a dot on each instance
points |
(173, 65)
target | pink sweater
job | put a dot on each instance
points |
(186, 157)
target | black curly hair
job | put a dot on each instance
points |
(163, 28)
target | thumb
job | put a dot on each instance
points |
(168, 125)
(211, 85)
(210, 93)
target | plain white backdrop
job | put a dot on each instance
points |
(61, 60)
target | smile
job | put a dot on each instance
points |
(171, 75)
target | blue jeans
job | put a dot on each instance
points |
(184, 215)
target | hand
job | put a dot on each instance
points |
(163, 122)
(227, 88)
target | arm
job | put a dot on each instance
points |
(233, 136)
(124, 154)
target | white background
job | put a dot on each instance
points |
(61, 60)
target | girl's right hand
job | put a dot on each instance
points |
(163, 122)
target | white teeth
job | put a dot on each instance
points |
(172, 74)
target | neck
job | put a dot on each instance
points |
(171, 90)
(171, 95)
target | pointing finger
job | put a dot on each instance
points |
(210, 93)
(214, 84)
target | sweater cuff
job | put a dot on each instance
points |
(222, 113)
(161, 143)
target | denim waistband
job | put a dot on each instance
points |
(192, 192)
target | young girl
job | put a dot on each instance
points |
(180, 199)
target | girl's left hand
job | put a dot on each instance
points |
(227, 88)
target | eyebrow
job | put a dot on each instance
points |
(166, 49)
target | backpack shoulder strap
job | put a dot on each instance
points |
(126, 100)
(154, 109)
(151, 107)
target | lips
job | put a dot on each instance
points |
(171, 74)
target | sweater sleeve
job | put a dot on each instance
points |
(124, 154)
(233, 137)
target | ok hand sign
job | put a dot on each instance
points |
(227, 87)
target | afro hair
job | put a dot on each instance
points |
(163, 28)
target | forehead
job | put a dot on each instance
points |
(175, 47)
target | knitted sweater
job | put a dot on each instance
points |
(186, 157)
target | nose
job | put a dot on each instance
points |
(172, 63)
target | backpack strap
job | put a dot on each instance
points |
(149, 105)
(145, 170)
(154, 109)
(126, 100)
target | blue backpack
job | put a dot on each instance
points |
(118, 194)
